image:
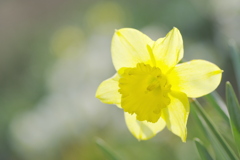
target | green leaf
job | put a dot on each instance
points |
(107, 150)
(209, 137)
(235, 55)
(216, 101)
(234, 112)
(203, 153)
(221, 146)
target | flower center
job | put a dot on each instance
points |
(144, 91)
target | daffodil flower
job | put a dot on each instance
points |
(150, 86)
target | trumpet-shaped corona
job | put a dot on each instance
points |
(144, 91)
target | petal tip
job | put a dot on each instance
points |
(184, 136)
(213, 73)
(175, 29)
(117, 32)
(97, 95)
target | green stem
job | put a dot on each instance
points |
(213, 129)
(107, 150)
(203, 152)
(235, 55)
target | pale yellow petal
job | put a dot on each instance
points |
(176, 114)
(195, 78)
(107, 91)
(143, 130)
(168, 51)
(129, 47)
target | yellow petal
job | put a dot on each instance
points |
(129, 47)
(143, 130)
(168, 51)
(176, 114)
(195, 78)
(107, 91)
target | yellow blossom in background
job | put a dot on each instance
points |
(150, 86)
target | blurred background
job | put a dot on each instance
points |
(55, 53)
